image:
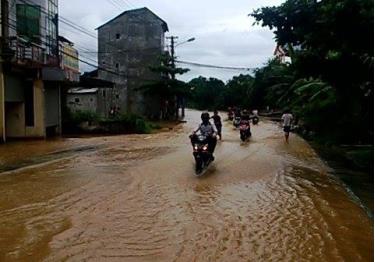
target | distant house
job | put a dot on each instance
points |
(69, 59)
(90, 94)
(129, 45)
(83, 99)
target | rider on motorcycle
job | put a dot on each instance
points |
(207, 129)
(245, 115)
(237, 112)
(217, 122)
(245, 120)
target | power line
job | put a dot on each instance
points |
(62, 19)
(119, 73)
(115, 4)
(215, 66)
(70, 24)
(88, 51)
(130, 4)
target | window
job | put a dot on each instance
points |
(91, 100)
(117, 36)
(28, 21)
(103, 93)
(76, 100)
(117, 96)
(117, 65)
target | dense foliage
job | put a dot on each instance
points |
(211, 93)
(331, 45)
(168, 90)
(91, 122)
(328, 85)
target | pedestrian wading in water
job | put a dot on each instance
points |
(287, 120)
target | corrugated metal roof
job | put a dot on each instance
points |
(83, 90)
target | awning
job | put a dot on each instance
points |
(53, 74)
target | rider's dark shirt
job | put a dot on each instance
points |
(245, 117)
(217, 120)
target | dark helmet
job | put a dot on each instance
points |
(245, 112)
(205, 116)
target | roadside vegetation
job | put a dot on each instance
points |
(329, 83)
(91, 123)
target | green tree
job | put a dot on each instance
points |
(167, 89)
(207, 93)
(330, 41)
(239, 91)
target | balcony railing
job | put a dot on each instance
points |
(30, 54)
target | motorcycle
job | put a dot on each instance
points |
(202, 156)
(237, 121)
(230, 115)
(245, 132)
(255, 120)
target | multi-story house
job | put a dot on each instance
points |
(69, 60)
(31, 72)
(129, 45)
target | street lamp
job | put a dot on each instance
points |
(187, 41)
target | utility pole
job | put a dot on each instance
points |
(173, 43)
(4, 35)
(173, 62)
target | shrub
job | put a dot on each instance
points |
(84, 116)
(130, 123)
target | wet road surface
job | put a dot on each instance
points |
(135, 198)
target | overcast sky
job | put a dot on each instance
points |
(224, 33)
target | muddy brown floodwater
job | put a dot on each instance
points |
(135, 198)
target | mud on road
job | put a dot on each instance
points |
(135, 198)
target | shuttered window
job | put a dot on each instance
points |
(28, 22)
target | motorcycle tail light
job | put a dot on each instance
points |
(205, 148)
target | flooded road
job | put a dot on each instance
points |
(135, 198)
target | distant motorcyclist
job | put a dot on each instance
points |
(207, 129)
(217, 122)
(230, 114)
(245, 115)
(237, 112)
(237, 117)
(255, 117)
(245, 131)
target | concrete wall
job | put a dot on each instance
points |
(87, 102)
(14, 106)
(2, 106)
(14, 88)
(39, 128)
(52, 105)
(129, 45)
(15, 126)
(15, 119)
(104, 100)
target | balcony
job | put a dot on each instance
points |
(28, 54)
